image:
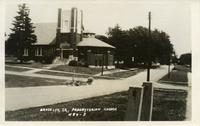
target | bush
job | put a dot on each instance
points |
(73, 63)
(48, 60)
(82, 63)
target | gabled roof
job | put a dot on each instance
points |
(93, 42)
(46, 33)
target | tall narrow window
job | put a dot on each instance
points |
(95, 62)
(25, 52)
(100, 63)
(67, 25)
(38, 51)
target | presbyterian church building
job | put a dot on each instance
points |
(66, 40)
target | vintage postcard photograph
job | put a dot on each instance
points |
(98, 61)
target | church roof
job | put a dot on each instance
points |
(46, 33)
(93, 42)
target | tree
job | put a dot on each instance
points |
(22, 34)
(102, 38)
(174, 59)
(139, 39)
(134, 43)
(116, 37)
(162, 49)
(185, 59)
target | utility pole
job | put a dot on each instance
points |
(149, 42)
(169, 63)
(169, 70)
(102, 64)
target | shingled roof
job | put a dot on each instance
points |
(93, 42)
(46, 33)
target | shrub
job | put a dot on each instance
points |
(73, 63)
(48, 60)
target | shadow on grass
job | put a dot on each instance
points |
(24, 81)
(31, 65)
(7, 68)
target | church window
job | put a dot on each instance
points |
(38, 51)
(25, 52)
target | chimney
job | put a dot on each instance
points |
(73, 19)
(58, 28)
(59, 19)
(82, 25)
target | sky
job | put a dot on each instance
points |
(172, 17)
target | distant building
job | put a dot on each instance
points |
(66, 39)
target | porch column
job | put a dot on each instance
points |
(61, 53)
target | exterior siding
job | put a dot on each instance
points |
(47, 51)
(96, 56)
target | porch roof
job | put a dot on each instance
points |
(93, 42)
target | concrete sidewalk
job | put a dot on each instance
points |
(18, 98)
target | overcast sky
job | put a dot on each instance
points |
(173, 17)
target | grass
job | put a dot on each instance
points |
(124, 74)
(77, 69)
(12, 81)
(177, 76)
(72, 75)
(24, 81)
(61, 74)
(16, 69)
(32, 65)
(168, 105)
(182, 68)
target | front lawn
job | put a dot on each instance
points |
(124, 74)
(76, 75)
(16, 69)
(168, 105)
(182, 68)
(62, 74)
(24, 81)
(77, 69)
(178, 75)
(32, 65)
